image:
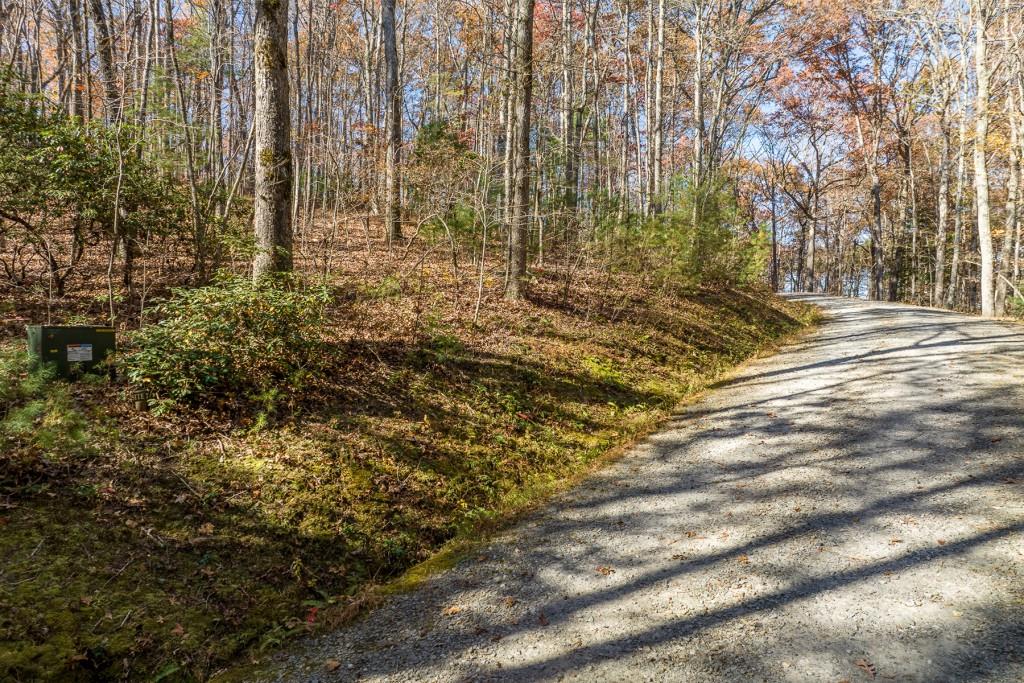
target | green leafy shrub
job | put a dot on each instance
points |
(61, 179)
(703, 239)
(229, 342)
(1016, 306)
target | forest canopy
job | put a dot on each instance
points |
(869, 149)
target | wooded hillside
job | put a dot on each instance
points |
(384, 274)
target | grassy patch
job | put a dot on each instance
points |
(167, 545)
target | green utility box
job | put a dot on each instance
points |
(73, 350)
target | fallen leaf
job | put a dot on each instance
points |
(866, 666)
(206, 529)
(332, 664)
(996, 439)
(178, 630)
(542, 620)
(449, 611)
(605, 571)
(509, 601)
(894, 541)
(694, 534)
(941, 541)
(743, 559)
(680, 556)
(85, 600)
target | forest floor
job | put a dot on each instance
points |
(145, 546)
(850, 509)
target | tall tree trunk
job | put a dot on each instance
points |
(981, 15)
(1012, 196)
(105, 48)
(958, 215)
(812, 225)
(393, 99)
(775, 242)
(523, 91)
(656, 135)
(272, 137)
(568, 114)
(943, 213)
(77, 60)
(216, 131)
(877, 253)
(698, 101)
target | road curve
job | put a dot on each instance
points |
(850, 508)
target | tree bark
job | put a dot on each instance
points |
(958, 216)
(981, 184)
(942, 218)
(1012, 196)
(523, 91)
(393, 99)
(105, 48)
(272, 137)
(655, 127)
(77, 60)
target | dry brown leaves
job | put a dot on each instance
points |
(866, 666)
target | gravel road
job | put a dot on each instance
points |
(849, 509)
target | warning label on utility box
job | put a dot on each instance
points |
(79, 352)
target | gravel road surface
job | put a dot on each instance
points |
(850, 509)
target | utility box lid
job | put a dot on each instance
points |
(72, 349)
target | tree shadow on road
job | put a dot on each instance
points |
(827, 493)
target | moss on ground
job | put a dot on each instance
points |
(166, 547)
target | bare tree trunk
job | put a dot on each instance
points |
(272, 136)
(1012, 196)
(569, 113)
(698, 99)
(523, 38)
(877, 254)
(216, 131)
(958, 216)
(981, 14)
(943, 212)
(775, 241)
(393, 99)
(812, 225)
(655, 127)
(77, 61)
(105, 48)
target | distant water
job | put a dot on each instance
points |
(853, 285)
